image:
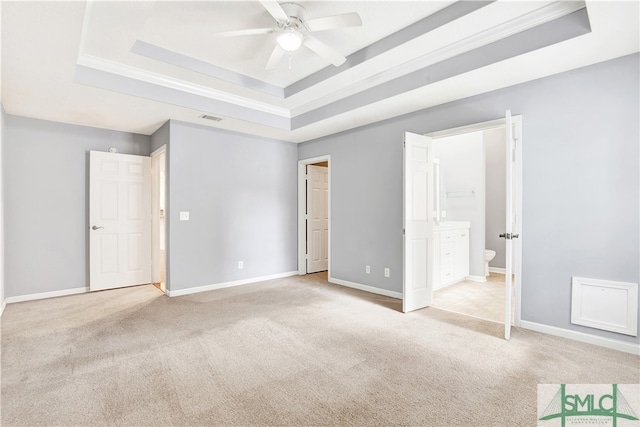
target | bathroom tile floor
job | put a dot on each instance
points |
(483, 300)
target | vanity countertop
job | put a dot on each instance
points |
(451, 225)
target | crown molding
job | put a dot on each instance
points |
(514, 26)
(196, 65)
(134, 73)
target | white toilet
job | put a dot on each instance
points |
(488, 256)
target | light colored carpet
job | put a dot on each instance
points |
(294, 351)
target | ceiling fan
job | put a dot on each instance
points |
(295, 31)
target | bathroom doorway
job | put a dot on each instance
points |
(470, 208)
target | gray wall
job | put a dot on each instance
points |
(46, 201)
(161, 137)
(366, 203)
(241, 192)
(462, 170)
(581, 185)
(495, 196)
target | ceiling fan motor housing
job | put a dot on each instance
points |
(296, 14)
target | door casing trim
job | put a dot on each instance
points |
(302, 208)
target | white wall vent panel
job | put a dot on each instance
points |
(602, 304)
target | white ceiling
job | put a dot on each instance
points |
(72, 62)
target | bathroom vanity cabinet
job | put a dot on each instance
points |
(451, 253)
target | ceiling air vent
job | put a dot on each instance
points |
(208, 117)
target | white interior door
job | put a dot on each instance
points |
(418, 222)
(508, 235)
(317, 218)
(120, 220)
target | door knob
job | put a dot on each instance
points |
(95, 227)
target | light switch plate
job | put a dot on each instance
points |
(387, 272)
(184, 216)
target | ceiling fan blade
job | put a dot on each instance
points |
(274, 8)
(332, 22)
(324, 51)
(249, 32)
(275, 58)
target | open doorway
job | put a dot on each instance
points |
(314, 237)
(158, 218)
(471, 207)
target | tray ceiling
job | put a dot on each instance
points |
(133, 65)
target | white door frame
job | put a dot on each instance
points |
(517, 255)
(155, 216)
(302, 209)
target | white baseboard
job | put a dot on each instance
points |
(497, 270)
(366, 288)
(477, 278)
(4, 304)
(215, 286)
(44, 295)
(582, 337)
(52, 294)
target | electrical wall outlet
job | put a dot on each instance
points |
(184, 216)
(240, 265)
(367, 269)
(387, 272)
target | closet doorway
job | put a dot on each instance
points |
(159, 218)
(314, 207)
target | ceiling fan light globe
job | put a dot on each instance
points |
(290, 40)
